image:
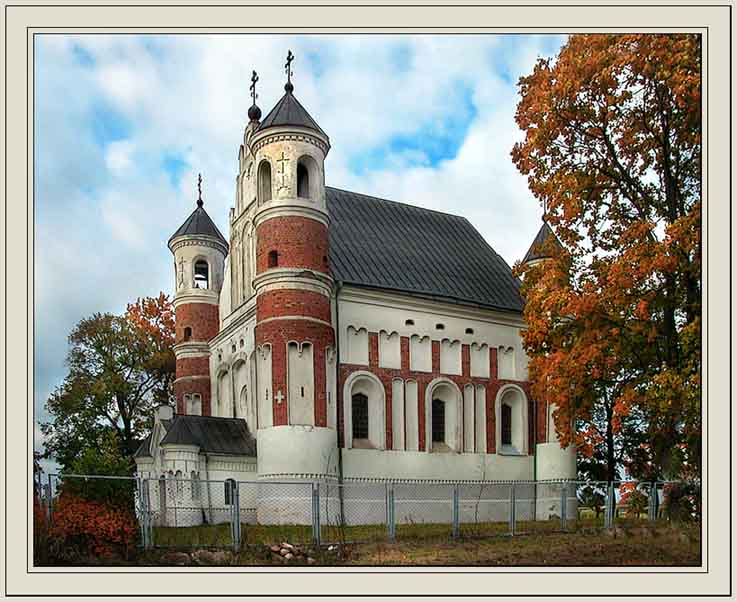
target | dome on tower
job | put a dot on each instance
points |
(254, 113)
(199, 224)
(289, 112)
(536, 251)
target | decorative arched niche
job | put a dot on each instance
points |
(264, 182)
(443, 418)
(364, 391)
(307, 178)
(511, 421)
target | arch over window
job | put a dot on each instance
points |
(264, 182)
(367, 391)
(187, 333)
(443, 416)
(511, 421)
(307, 177)
(201, 274)
(273, 259)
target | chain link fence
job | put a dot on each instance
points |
(190, 512)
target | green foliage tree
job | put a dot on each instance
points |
(120, 367)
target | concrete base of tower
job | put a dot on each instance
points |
(290, 459)
(556, 475)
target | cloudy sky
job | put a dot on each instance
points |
(124, 123)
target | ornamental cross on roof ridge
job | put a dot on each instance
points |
(288, 66)
(254, 79)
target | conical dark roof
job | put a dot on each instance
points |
(536, 248)
(288, 111)
(199, 223)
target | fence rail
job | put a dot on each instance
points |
(181, 512)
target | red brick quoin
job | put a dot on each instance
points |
(278, 333)
(299, 242)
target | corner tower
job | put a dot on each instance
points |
(199, 254)
(553, 462)
(294, 335)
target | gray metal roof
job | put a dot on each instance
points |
(536, 248)
(212, 434)
(389, 245)
(199, 223)
(288, 111)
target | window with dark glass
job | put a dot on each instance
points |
(360, 416)
(273, 259)
(506, 425)
(187, 333)
(303, 181)
(438, 421)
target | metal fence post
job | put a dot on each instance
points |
(390, 512)
(653, 502)
(235, 499)
(316, 513)
(512, 510)
(50, 498)
(456, 512)
(609, 514)
(564, 507)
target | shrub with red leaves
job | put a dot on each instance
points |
(82, 528)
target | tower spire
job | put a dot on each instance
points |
(288, 69)
(200, 202)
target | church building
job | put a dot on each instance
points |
(336, 335)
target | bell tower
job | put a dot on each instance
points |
(295, 340)
(199, 257)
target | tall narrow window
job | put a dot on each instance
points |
(303, 181)
(506, 424)
(201, 274)
(187, 333)
(264, 182)
(360, 416)
(438, 421)
(195, 486)
(273, 259)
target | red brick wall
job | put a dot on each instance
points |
(191, 366)
(201, 386)
(301, 242)
(202, 318)
(278, 333)
(297, 302)
(386, 375)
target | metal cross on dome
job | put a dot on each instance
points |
(288, 66)
(254, 79)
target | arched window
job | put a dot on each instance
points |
(230, 492)
(273, 259)
(360, 416)
(194, 404)
(187, 333)
(264, 182)
(201, 274)
(179, 484)
(438, 421)
(303, 181)
(506, 424)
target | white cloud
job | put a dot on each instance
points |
(118, 155)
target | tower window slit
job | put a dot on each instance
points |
(360, 416)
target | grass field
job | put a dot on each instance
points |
(634, 542)
(430, 545)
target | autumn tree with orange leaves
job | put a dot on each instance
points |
(120, 367)
(612, 151)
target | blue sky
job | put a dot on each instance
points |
(124, 124)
